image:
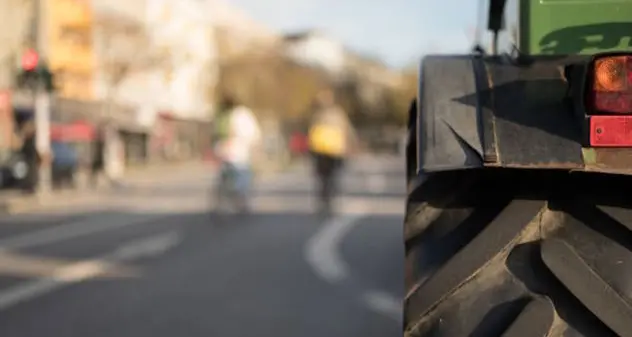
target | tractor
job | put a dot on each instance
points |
(519, 171)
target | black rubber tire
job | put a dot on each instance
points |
(501, 252)
(411, 141)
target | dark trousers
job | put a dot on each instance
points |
(327, 169)
(96, 170)
(29, 184)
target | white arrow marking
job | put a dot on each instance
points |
(322, 255)
(322, 249)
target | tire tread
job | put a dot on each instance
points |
(555, 268)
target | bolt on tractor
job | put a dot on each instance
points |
(519, 170)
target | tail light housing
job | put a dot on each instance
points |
(612, 84)
(609, 101)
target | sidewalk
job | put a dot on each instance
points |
(168, 171)
(14, 202)
(92, 199)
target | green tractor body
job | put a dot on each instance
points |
(568, 27)
(519, 162)
(526, 108)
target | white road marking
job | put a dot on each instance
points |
(75, 229)
(384, 303)
(27, 291)
(151, 246)
(89, 269)
(322, 249)
(321, 252)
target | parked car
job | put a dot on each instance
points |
(65, 164)
(13, 169)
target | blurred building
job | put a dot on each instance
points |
(183, 88)
(157, 58)
(16, 18)
(123, 55)
(238, 34)
(67, 46)
(61, 31)
(160, 58)
(149, 68)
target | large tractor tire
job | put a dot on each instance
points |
(501, 252)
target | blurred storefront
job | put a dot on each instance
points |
(133, 139)
(174, 139)
(71, 120)
(126, 136)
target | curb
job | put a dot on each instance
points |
(19, 204)
(133, 173)
(30, 203)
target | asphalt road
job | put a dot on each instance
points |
(154, 262)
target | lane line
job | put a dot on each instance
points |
(75, 229)
(322, 254)
(89, 269)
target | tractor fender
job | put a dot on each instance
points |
(449, 128)
(534, 126)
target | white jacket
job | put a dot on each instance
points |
(244, 135)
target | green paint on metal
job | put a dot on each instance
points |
(568, 27)
(590, 156)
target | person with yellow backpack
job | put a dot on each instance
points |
(331, 139)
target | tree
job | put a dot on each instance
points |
(270, 83)
(400, 97)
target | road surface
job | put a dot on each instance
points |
(154, 262)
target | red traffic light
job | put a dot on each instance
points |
(30, 59)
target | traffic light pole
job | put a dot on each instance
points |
(42, 115)
(42, 139)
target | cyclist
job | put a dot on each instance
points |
(237, 133)
(331, 138)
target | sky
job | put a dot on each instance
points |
(397, 31)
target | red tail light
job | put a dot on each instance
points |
(612, 85)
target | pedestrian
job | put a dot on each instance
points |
(31, 156)
(237, 135)
(98, 156)
(331, 138)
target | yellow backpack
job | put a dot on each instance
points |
(327, 139)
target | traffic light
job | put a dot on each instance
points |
(40, 77)
(35, 74)
(30, 60)
(27, 79)
(47, 78)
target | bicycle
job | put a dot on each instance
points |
(232, 188)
